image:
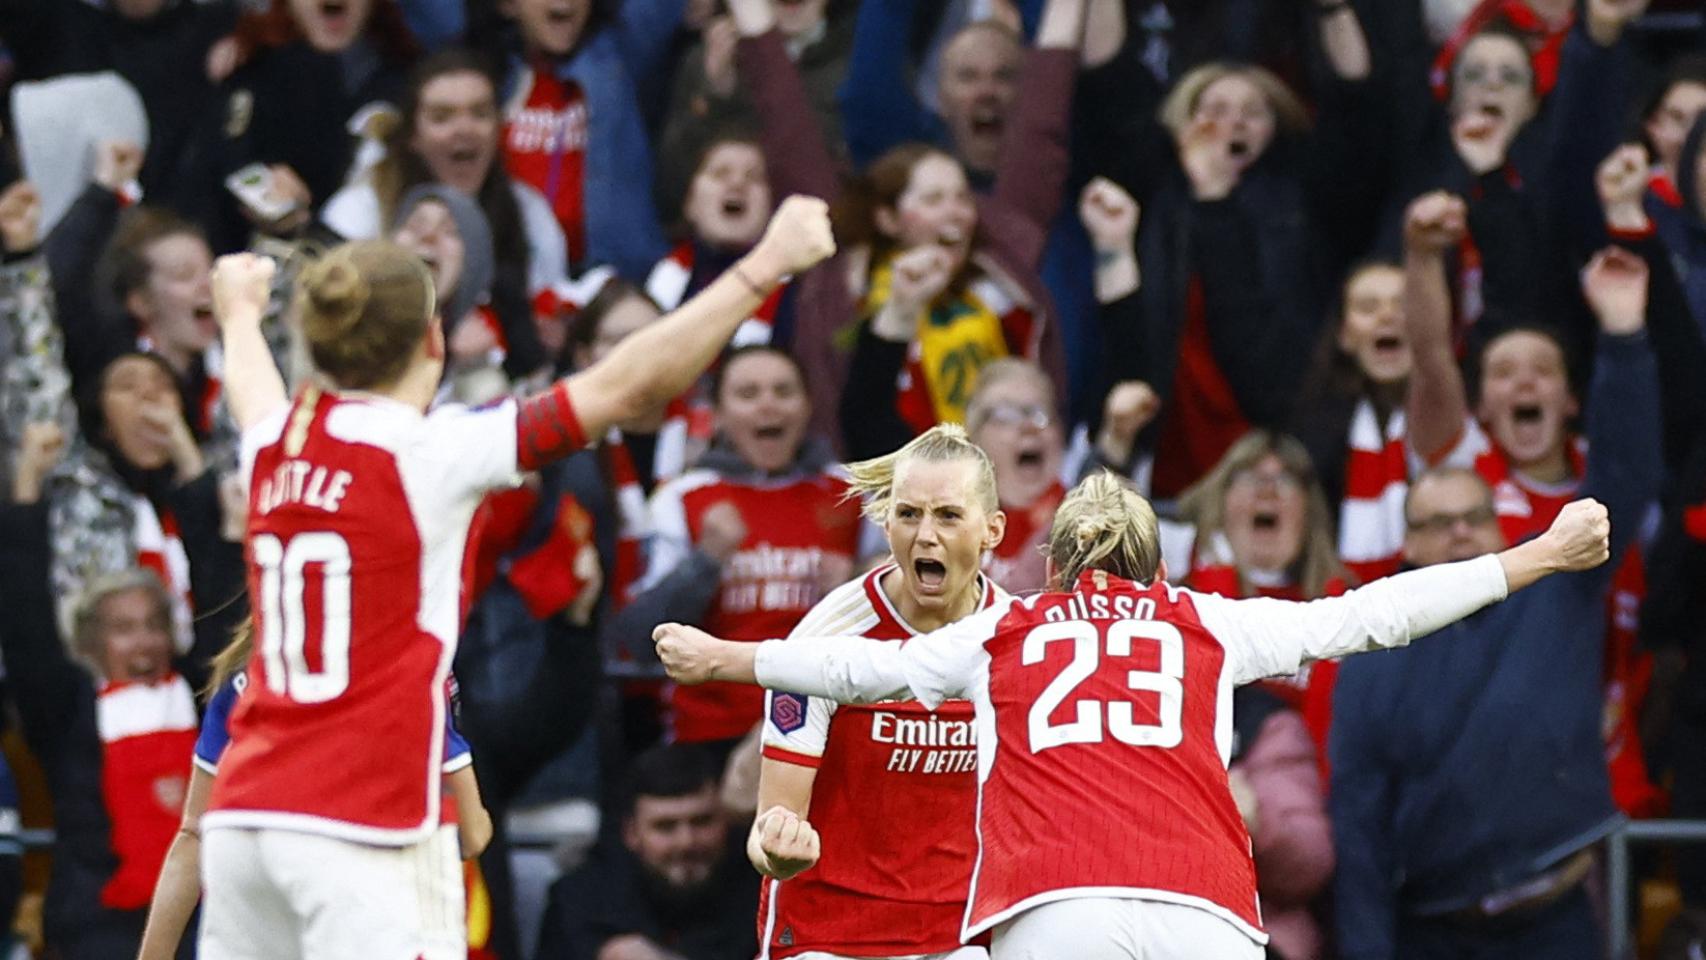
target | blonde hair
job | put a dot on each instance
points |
(1104, 524)
(1289, 113)
(87, 642)
(1204, 505)
(873, 480)
(232, 659)
(1001, 371)
(365, 307)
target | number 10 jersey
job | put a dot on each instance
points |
(359, 512)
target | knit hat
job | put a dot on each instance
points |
(479, 262)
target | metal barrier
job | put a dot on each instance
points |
(1618, 874)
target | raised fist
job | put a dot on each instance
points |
(782, 844)
(1129, 408)
(20, 217)
(798, 236)
(1615, 285)
(1205, 151)
(117, 162)
(722, 530)
(1580, 537)
(39, 450)
(1435, 222)
(242, 287)
(1109, 213)
(1622, 180)
(688, 654)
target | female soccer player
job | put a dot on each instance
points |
(891, 785)
(1104, 711)
(321, 835)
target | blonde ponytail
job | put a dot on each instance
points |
(1103, 524)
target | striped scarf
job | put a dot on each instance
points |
(668, 284)
(1371, 518)
(160, 548)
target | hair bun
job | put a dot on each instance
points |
(337, 293)
(1088, 530)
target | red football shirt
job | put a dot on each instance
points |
(359, 509)
(893, 801)
(544, 146)
(801, 539)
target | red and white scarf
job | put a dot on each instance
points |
(667, 286)
(148, 732)
(160, 548)
(1371, 518)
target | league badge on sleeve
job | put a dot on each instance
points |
(787, 711)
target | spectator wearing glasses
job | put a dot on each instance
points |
(1012, 416)
(1468, 777)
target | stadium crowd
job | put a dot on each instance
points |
(1271, 259)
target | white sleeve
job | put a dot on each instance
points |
(1269, 638)
(469, 451)
(937, 666)
(262, 433)
(795, 725)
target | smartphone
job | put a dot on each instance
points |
(252, 186)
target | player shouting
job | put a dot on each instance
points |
(891, 785)
(322, 836)
(1106, 825)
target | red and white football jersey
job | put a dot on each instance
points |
(1104, 723)
(894, 802)
(359, 509)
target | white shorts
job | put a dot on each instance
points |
(283, 895)
(1108, 929)
(963, 953)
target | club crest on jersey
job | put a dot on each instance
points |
(788, 711)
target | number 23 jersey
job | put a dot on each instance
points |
(359, 511)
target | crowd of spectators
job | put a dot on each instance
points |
(1271, 259)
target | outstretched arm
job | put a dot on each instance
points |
(253, 387)
(1274, 637)
(657, 363)
(937, 666)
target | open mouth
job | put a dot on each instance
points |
(734, 207)
(1265, 520)
(774, 432)
(1388, 343)
(951, 236)
(1030, 459)
(987, 121)
(464, 154)
(1491, 111)
(1238, 148)
(931, 574)
(1526, 414)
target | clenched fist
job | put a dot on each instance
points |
(20, 217)
(1435, 222)
(1109, 214)
(782, 844)
(688, 654)
(1580, 537)
(242, 287)
(798, 237)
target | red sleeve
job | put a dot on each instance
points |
(546, 428)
